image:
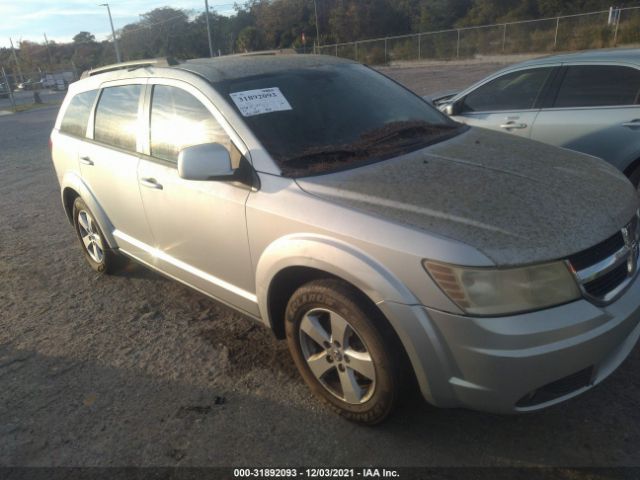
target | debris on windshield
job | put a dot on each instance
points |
(391, 140)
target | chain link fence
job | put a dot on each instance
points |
(33, 88)
(607, 28)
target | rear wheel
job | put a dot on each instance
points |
(94, 246)
(341, 348)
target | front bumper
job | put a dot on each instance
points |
(518, 363)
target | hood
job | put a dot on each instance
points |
(516, 200)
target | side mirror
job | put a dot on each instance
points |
(209, 161)
(453, 108)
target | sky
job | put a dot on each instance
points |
(62, 19)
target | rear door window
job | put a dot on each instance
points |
(116, 120)
(598, 86)
(512, 91)
(76, 117)
(179, 120)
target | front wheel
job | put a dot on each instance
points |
(341, 347)
(635, 179)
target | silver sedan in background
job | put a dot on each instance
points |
(586, 101)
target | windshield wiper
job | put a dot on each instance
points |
(324, 155)
(405, 130)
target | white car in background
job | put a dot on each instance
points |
(587, 101)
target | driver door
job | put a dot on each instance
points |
(508, 103)
(199, 227)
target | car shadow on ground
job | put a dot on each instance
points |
(66, 411)
(600, 425)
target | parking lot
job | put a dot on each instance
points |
(135, 369)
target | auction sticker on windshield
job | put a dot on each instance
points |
(257, 102)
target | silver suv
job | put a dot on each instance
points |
(384, 241)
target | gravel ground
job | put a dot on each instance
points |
(438, 77)
(135, 369)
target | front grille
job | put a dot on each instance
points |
(593, 255)
(634, 227)
(608, 282)
(606, 270)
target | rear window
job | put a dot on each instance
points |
(76, 117)
(117, 116)
(598, 86)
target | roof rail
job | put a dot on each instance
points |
(132, 65)
(281, 51)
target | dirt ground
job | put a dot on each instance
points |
(135, 369)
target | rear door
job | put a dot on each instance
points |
(595, 110)
(199, 227)
(109, 163)
(73, 130)
(507, 103)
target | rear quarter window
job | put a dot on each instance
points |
(75, 119)
(598, 86)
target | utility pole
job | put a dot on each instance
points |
(206, 13)
(46, 42)
(113, 32)
(315, 8)
(6, 82)
(15, 59)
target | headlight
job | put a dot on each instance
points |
(488, 291)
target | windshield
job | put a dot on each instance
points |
(322, 119)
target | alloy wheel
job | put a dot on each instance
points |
(90, 236)
(337, 356)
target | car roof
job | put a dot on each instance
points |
(231, 67)
(214, 70)
(623, 55)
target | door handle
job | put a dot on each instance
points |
(150, 183)
(513, 126)
(86, 161)
(635, 123)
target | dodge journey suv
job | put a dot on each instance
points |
(386, 242)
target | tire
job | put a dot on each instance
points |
(635, 178)
(94, 246)
(317, 315)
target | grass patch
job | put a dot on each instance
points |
(34, 106)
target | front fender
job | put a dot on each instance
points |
(332, 256)
(73, 181)
(399, 305)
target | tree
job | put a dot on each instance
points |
(160, 32)
(440, 14)
(249, 40)
(267, 24)
(84, 37)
